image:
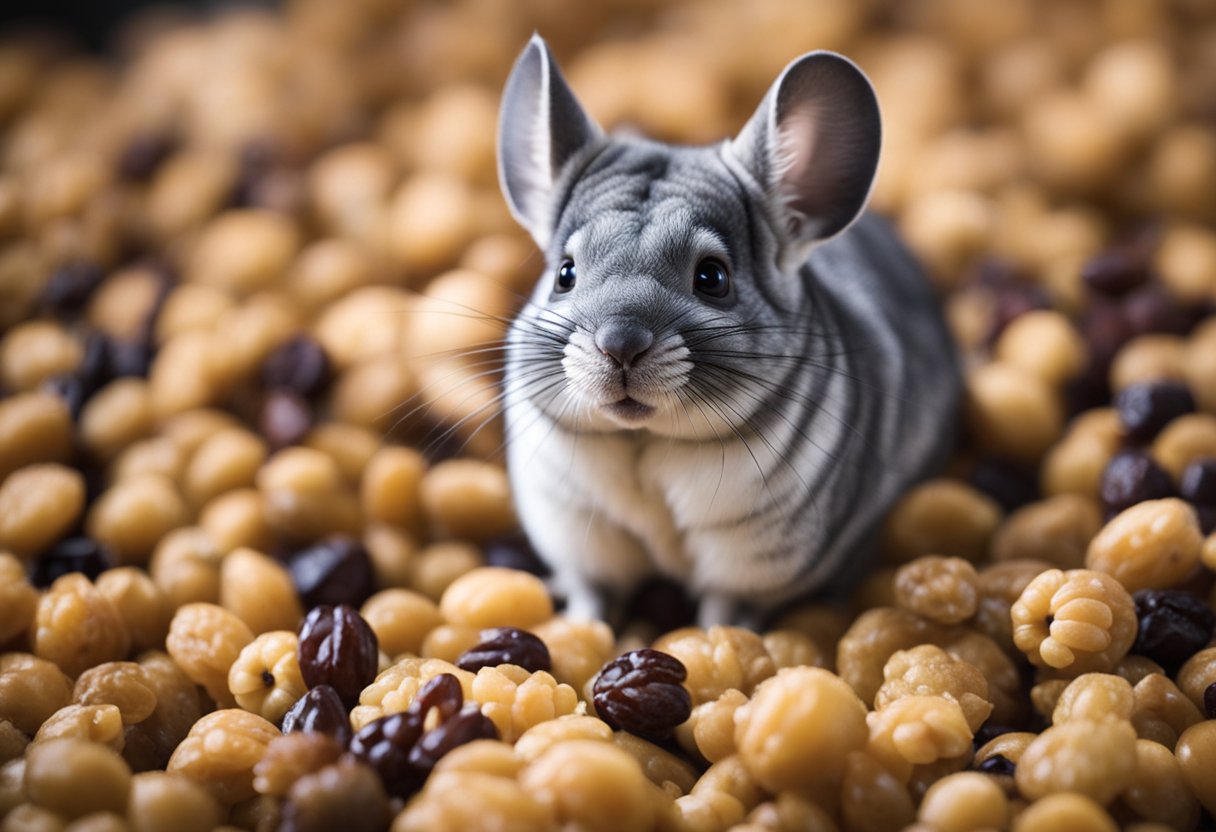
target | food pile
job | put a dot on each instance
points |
(259, 567)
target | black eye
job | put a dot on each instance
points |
(566, 276)
(711, 278)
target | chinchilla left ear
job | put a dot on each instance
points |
(813, 147)
(541, 129)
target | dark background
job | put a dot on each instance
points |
(90, 23)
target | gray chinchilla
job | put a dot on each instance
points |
(727, 372)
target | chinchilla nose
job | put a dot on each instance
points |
(623, 340)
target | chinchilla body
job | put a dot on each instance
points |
(727, 372)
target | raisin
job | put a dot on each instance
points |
(442, 693)
(75, 554)
(1105, 329)
(664, 604)
(1151, 309)
(1144, 409)
(1116, 271)
(463, 727)
(129, 357)
(513, 551)
(300, 366)
(1209, 701)
(1013, 486)
(385, 745)
(997, 764)
(1198, 483)
(1207, 518)
(1011, 301)
(1132, 477)
(320, 710)
(1173, 626)
(69, 288)
(337, 570)
(641, 692)
(339, 649)
(506, 645)
(286, 418)
(69, 387)
(143, 155)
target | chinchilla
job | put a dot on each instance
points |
(727, 372)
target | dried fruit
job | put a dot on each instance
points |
(75, 554)
(339, 649)
(1198, 483)
(320, 710)
(299, 365)
(337, 570)
(1144, 409)
(642, 692)
(1173, 626)
(1132, 477)
(506, 645)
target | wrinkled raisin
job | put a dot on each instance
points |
(339, 649)
(1131, 477)
(1011, 485)
(442, 693)
(1151, 309)
(506, 645)
(463, 727)
(1173, 626)
(75, 554)
(1115, 271)
(1144, 409)
(1011, 301)
(997, 764)
(129, 358)
(1209, 701)
(1198, 483)
(337, 570)
(1207, 518)
(299, 366)
(513, 551)
(286, 418)
(641, 692)
(319, 710)
(385, 745)
(69, 288)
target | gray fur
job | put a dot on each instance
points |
(783, 419)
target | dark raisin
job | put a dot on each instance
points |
(140, 159)
(130, 358)
(1116, 271)
(1105, 329)
(320, 710)
(95, 366)
(513, 551)
(1198, 482)
(1151, 309)
(641, 692)
(1011, 301)
(1088, 390)
(1207, 518)
(339, 649)
(1132, 477)
(300, 366)
(506, 645)
(442, 694)
(990, 731)
(337, 570)
(1144, 409)
(69, 288)
(286, 418)
(464, 727)
(662, 603)
(385, 745)
(1011, 485)
(1173, 626)
(1209, 701)
(75, 554)
(997, 764)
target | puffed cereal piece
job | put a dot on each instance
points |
(873, 638)
(258, 590)
(790, 648)
(95, 723)
(265, 678)
(1096, 759)
(1152, 545)
(220, 752)
(395, 688)
(591, 786)
(205, 640)
(458, 801)
(1082, 620)
(578, 649)
(1197, 674)
(122, 684)
(38, 505)
(140, 603)
(515, 700)
(665, 769)
(13, 742)
(707, 812)
(1161, 712)
(1057, 530)
(710, 730)
(917, 730)
(718, 659)
(1094, 697)
(492, 757)
(77, 627)
(1001, 584)
(290, 757)
(1074, 812)
(496, 597)
(940, 517)
(1196, 753)
(1159, 793)
(794, 720)
(871, 797)
(941, 589)
(74, 777)
(401, 619)
(18, 599)
(964, 801)
(1184, 440)
(788, 812)
(544, 735)
(163, 802)
(928, 670)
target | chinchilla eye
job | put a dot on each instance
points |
(566, 276)
(711, 279)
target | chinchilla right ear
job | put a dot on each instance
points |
(541, 128)
(812, 147)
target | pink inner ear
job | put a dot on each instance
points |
(795, 168)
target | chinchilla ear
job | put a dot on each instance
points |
(541, 128)
(813, 146)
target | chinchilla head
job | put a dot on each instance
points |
(671, 298)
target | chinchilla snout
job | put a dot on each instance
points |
(623, 340)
